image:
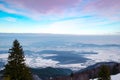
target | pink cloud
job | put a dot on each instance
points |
(44, 6)
(103, 5)
(108, 8)
(37, 8)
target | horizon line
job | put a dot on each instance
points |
(63, 34)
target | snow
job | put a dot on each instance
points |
(113, 77)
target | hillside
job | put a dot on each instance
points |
(90, 72)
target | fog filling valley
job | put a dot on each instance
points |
(66, 51)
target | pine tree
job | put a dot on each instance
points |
(16, 68)
(104, 73)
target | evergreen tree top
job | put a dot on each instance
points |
(16, 68)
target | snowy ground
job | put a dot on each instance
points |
(116, 77)
(113, 77)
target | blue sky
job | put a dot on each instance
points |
(84, 17)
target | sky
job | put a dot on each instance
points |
(82, 17)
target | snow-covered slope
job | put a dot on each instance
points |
(113, 77)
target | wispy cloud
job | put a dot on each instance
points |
(10, 19)
(62, 16)
(43, 6)
(104, 8)
(36, 9)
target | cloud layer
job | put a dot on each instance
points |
(108, 8)
(42, 7)
(61, 16)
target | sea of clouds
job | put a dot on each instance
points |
(66, 51)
